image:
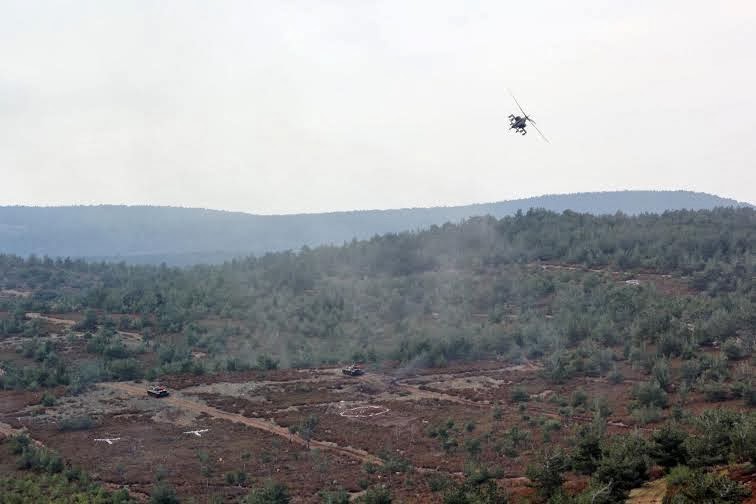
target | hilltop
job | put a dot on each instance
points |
(183, 236)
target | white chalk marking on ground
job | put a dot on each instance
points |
(364, 411)
(197, 433)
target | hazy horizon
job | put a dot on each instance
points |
(350, 210)
(288, 107)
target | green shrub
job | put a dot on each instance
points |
(660, 373)
(690, 370)
(668, 447)
(83, 422)
(552, 425)
(450, 445)
(497, 412)
(510, 452)
(739, 389)
(19, 443)
(519, 395)
(646, 414)
(715, 392)
(601, 407)
(679, 475)
(670, 345)
(734, 349)
(615, 376)
(438, 482)
(41, 487)
(695, 487)
(270, 493)
(713, 442)
(587, 450)
(395, 464)
(377, 495)
(40, 459)
(339, 496)
(516, 436)
(579, 398)
(749, 395)
(266, 362)
(477, 474)
(547, 472)
(125, 369)
(486, 493)
(473, 447)
(48, 400)
(163, 493)
(624, 462)
(236, 478)
(650, 394)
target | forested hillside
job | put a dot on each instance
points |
(588, 353)
(183, 236)
(455, 291)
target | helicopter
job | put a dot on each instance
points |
(518, 123)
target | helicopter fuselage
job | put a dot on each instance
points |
(518, 124)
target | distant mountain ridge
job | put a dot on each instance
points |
(182, 236)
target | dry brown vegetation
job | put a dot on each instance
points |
(249, 416)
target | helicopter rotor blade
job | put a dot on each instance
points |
(518, 103)
(539, 131)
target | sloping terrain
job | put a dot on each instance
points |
(538, 355)
(184, 236)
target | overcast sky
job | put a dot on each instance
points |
(285, 106)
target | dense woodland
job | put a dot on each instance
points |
(452, 292)
(575, 292)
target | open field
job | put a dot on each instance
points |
(247, 421)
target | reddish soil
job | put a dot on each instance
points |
(147, 449)
(252, 412)
(747, 476)
(255, 423)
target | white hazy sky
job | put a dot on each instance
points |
(298, 106)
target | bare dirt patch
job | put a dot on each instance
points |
(368, 419)
(651, 493)
(14, 293)
(53, 320)
(257, 423)
(664, 283)
(364, 411)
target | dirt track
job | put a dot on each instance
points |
(8, 431)
(70, 323)
(256, 423)
(650, 493)
(665, 283)
(53, 320)
(416, 393)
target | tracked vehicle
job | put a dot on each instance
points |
(157, 391)
(353, 370)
